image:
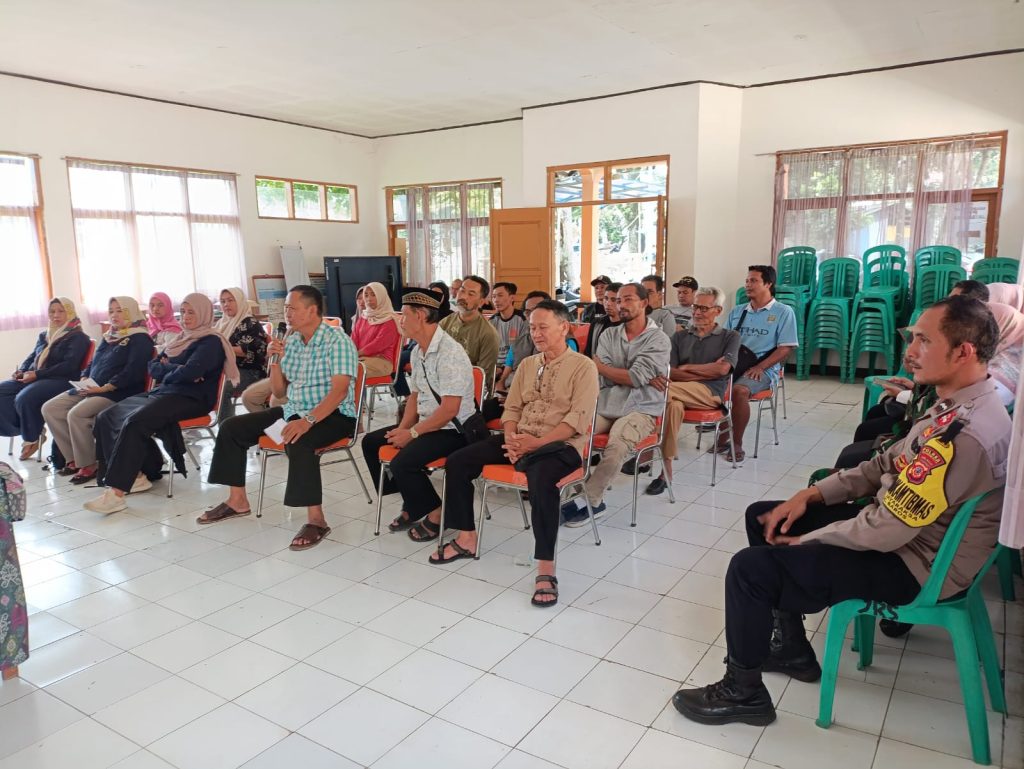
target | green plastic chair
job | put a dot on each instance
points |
(929, 255)
(996, 270)
(965, 618)
(934, 282)
(741, 296)
(797, 268)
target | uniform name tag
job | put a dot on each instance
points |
(918, 497)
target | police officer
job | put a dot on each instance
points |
(827, 551)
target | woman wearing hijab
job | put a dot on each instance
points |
(1005, 364)
(248, 340)
(1007, 293)
(187, 373)
(376, 332)
(446, 305)
(161, 323)
(119, 371)
(56, 359)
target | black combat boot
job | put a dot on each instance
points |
(791, 652)
(740, 696)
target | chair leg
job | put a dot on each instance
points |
(985, 640)
(966, 651)
(191, 455)
(835, 637)
(10, 447)
(170, 481)
(522, 509)
(480, 523)
(864, 634)
(263, 482)
(782, 391)
(590, 515)
(440, 535)
(732, 443)
(636, 484)
(380, 496)
(714, 457)
(773, 402)
(1004, 565)
(661, 458)
(359, 475)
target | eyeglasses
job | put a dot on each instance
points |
(704, 308)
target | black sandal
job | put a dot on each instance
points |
(552, 590)
(460, 552)
(425, 530)
(216, 514)
(401, 523)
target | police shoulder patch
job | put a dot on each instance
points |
(918, 497)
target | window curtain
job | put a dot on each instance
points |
(948, 179)
(1011, 528)
(417, 243)
(24, 291)
(808, 186)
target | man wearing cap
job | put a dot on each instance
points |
(661, 315)
(606, 321)
(686, 290)
(595, 309)
(441, 390)
(470, 328)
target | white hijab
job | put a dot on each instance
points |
(226, 326)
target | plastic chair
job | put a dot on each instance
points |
(996, 270)
(270, 448)
(931, 255)
(331, 320)
(580, 332)
(797, 268)
(768, 398)
(933, 282)
(716, 419)
(206, 422)
(964, 617)
(830, 316)
(386, 382)
(886, 278)
(741, 296)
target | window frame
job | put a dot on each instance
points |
(37, 214)
(290, 198)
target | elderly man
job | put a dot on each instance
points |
(508, 322)
(595, 309)
(660, 314)
(630, 359)
(606, 321)
(686, 290)
(441, 392)
(703, 355)
(518, 351)
(470, 328)
(550, 407)
(825, 550)
(315, 367)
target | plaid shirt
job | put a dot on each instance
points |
(308, 367)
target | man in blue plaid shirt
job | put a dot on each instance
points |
(317, 373)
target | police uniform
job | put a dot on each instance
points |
(883, 551)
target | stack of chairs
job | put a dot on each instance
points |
(881, 307)
(797, 270)
(996, 270)
(829, 320)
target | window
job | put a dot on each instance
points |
(25, 291)
(844, 200)
(141, 229)
(608, 218)
(308, 201)
(442, 231)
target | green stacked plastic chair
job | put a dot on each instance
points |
(886, 278)
(797, 267)
(965, 618)
(929, 255)
(934, 282)
(996, 270)
(828, 324)
(874, 333)
(741, 296)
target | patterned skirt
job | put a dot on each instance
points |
(13, 612)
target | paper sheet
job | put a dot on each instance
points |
(274, 432)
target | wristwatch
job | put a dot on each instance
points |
(310, 418)
(413, 433)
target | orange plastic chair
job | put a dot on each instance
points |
(384, 382)
(330, 320)
(713, 418)
(206, 422)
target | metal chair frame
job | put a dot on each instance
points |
(772, 402)
(207, 423)
(374, 385)
(726, 418)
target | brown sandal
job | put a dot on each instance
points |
(460, 552)
(552, 589)
(220, 513)
(312, 534)
(425, 530)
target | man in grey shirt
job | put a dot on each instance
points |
(660, 314)
(702, 358)
(629, 358)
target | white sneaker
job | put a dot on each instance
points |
(107, 503)
(142, 483)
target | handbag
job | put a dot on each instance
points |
(527, 461)
(12, 494)
(474, 429)
(746, 358)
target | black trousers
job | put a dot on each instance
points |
(877, 422)
(492, 408)
(408, 468)
(304, 487)
(541, 478)
(124, 435)
(803, 579)
(855, 453)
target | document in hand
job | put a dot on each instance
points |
(85, 384)
(274, 432)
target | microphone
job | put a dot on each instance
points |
(280, 333)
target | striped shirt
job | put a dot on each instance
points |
(309, 366)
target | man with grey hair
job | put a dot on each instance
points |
(702, 358)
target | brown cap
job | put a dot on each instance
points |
(686, 281)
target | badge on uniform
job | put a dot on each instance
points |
(771, 318)
(918, 497)
(946, 418)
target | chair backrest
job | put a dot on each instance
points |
(929, 255)
(588, 448)
(838, 277)
(935, 281)
(741, 296)
(87, 358)
(581, 331)
(479, 377)
(797, 266)
(996, 270)
(220, 395)
(331, 320)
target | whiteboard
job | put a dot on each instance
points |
(294, 263)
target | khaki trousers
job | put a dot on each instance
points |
(623, 435)
(257, 396)
(377, 367)
(71, 419)
(682, 396)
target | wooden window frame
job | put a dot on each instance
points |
(290, 198)
(37, 216)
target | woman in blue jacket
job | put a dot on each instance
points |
(119, 370)
(56, 360)
(188, 375)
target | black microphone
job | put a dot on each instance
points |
(282, 331)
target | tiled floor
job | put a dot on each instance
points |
(160, 643)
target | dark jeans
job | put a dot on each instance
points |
(492, 408)
(855, 453)
(304, 487)
(876, 422)
(124, 434)
(402, 386)
(21, 405)
(408, 474)
(541, 478)
(802, 579)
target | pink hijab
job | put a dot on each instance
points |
(1011, 326)
(1007, 293)
(168, 322)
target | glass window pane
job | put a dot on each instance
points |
(158, 192)
(985, 167)
(976, 232)
(445, 251)
(339, 204)
(480, 249)
(272, 198)
(399, 206)
(579, 184)
(307, 200)
(817, 176)
(217, 249)
(106, 264)
(478, 202)
(815, 227)
(98, 189)
(17, 181)
(627, 239)
(871, 222)
(639, 181)
(23, 292)
(212, 196)
(445, 202)
(884, 172)
(164, 258)
(567, 245)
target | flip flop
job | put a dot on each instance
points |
(221, 513)
(401, 523)
(425, 530)
(460, 552)
(311, 532)
(551, 590)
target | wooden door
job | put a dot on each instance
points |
(521, 248)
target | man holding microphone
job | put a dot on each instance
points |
(315, 368)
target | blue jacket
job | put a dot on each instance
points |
(195, 373)
(64, 360)
(122, 365)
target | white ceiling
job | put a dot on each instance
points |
(376, 67)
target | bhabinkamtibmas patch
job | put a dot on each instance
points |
(918, 497)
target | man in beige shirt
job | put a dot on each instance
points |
(827, 551)
(552, 401)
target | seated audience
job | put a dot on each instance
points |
(376, 333)
(160, 322)
(55, 360)
(453, 295)
(401, 385)
(518, 351)
(187, 373)
(686, 289)
(550, 408)
(970, 288)
(1007, 293)
(315, 366)
(703, 355)
(768, 329)
(248, 340)
(595, 309)
(440, 401)
(446, 303)
(630, 359)
(816, 549)
(508, 322)
(1006, 363)
(610, 318)
(119, 371)
(470, 328)
(661, 315)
